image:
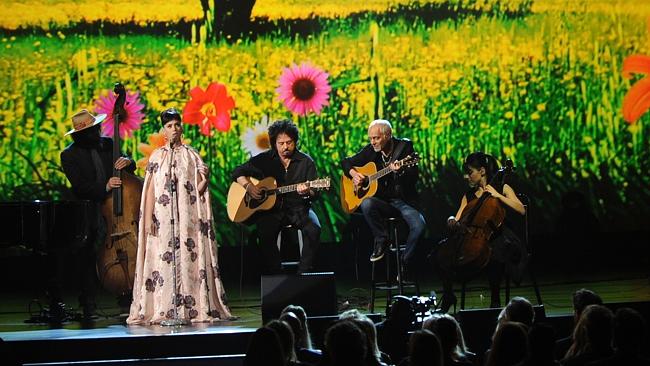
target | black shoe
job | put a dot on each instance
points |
(378, 252)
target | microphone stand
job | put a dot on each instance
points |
(176, 321)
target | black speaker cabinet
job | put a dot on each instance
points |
(315, 292)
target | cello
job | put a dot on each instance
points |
(466, 252)
(117, 257)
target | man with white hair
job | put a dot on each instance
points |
(396, 194)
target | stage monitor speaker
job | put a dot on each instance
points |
(315, 292)
(478, 325)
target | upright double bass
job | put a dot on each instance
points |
(466, 251)
(116, 259)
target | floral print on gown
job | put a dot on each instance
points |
(200, 295)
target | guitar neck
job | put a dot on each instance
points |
(383, 172)
(287, 189)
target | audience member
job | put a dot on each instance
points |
(509, 345)
(393, 333)
(375, 356)
(629, 335)
(285, 335)
(305, 337)
(581, 299)
(454, 350)
(264, 349)
(424, 350)
(345, 345)
(592, 337)
(541, 346)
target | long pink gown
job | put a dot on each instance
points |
(200, 294)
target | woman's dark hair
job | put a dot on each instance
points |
(345, 344)
(170, 114)
(283, 126)
(425, 349)
(478, 160)
(510, 345)
(285, 335)
(264, 349)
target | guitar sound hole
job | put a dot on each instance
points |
(254, 203)
(361, 192)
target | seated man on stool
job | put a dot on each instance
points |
(396, 195)
(288, 165)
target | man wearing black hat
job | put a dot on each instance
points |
(87, 163)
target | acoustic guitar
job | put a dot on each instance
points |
(352, 196)
(242, 205)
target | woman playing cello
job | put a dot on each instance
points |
(505, 250)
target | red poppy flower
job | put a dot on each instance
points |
(209, 108)
(637, 99)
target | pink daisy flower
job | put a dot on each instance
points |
(303, 89)
(133, 107)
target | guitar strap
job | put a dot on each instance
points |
(397, 151)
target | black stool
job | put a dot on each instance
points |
(396, 250)
(286, 230)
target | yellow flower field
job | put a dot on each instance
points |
(544, 90)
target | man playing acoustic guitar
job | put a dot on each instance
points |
(287, 165)
(395, 194)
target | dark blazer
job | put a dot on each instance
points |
(77, 164)
(401, 185)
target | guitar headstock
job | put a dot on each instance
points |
(322, 183)
(409, 160)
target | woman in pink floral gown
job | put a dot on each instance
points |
(185, 202)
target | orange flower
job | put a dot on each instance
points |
(637, 99)
(156, 140)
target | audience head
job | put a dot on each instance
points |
(425, 349)
(509, 346)
(400, 312)
(449, 333)
(264, 349)
(518, 310)
(345, 344)
(581, 299)
(304, 339)
(593, 332)
(285, 335)
(629, 330)
(367, 326)
(292, 320)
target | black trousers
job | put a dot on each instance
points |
(269, 226)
